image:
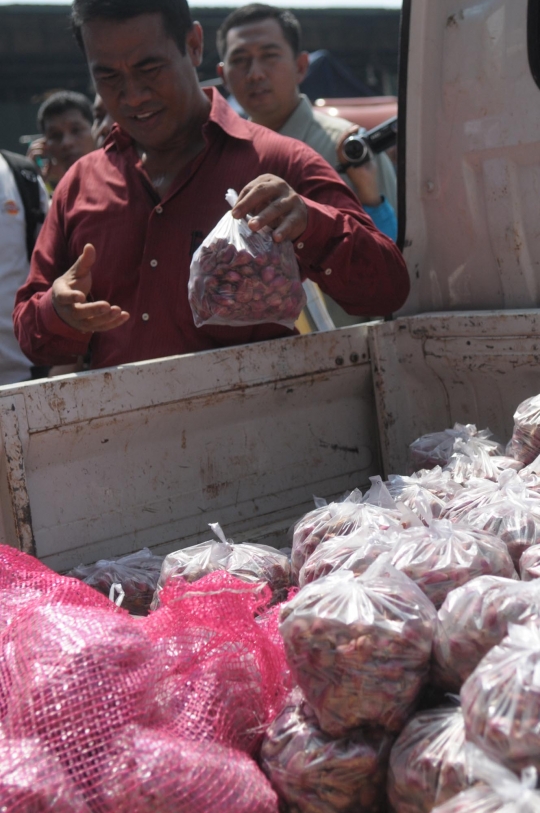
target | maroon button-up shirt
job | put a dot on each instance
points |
(144, 244)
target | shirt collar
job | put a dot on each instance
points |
(300, 120)
(221, 114)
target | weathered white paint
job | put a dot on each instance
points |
(432, 370)
(147, 454)
(473, 158)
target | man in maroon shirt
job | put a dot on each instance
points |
(111, 265)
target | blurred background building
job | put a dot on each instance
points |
(354, 53)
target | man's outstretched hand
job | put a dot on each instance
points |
(69, 293)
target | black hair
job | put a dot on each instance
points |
(62, 101)
(176, 15)
(254, 13)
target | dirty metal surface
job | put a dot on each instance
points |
(435, 369)
(472, 158)
(148, 454)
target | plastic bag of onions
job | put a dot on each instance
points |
(360, 647)
(473, 619)
(428, 762)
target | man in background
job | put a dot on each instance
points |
(23, 204)
(65, 118)
(263, 66)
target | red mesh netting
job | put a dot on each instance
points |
(224, 673)
(153, 771)
(105, 714)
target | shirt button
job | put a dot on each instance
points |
(328, 272)
(145, 317)
(159, 210)
(153, 263)
(299, 245)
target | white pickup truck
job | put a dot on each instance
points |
(104, 463)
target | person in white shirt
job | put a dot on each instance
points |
(15, 261)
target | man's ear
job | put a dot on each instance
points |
(195, 44)
(221, 73)
(302, 65)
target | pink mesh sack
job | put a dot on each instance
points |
(78, 675)
(360, 647)
(473, 619)
(241, 277)
(152, 771)
(33, 780)
(314, 773)
(428, 762)
(525, 443)
(436, 448)
(445, 555)
(224, 671)
(501, 700)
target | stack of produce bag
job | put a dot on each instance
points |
(436, 448)
(501, 700)
(314, 773)
(360, 647)
(507, 508)
(473, 619)
(428, 762)
(250, 562)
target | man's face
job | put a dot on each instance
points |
(147, 85)
(262, 72)
(68, 136)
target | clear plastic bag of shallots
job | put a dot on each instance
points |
(335, 519)
(445, 555)
(507, 508)
(314, 773)
(501, 699)
(525, 442)
(425, 492)
(428, 763)
(473, 619)
(436, 448)
(355, 552)
(250, 562)
(472, 459)
(240, 277)
(137, 574)
(496, 789)
(360, 647)
(529, 564)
